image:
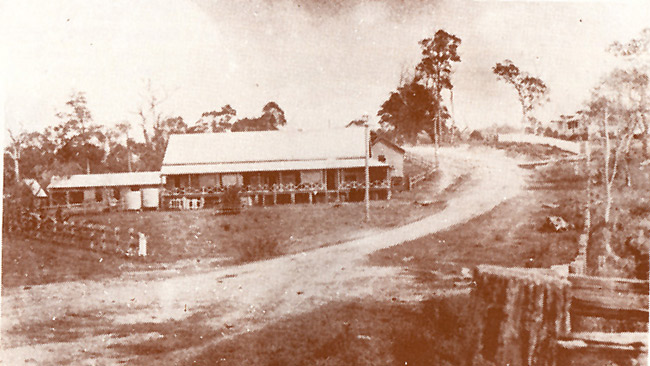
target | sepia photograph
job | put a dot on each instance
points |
(313, 182)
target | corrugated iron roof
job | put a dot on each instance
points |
(268, 166)
(265, 146)
(35, 187)
(106, 180)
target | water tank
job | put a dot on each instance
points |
(133, 200)
(150, 197)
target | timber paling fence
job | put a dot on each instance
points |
(429, 169)
(533, 317)
(84, 235)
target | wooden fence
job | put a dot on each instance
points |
(85, 235)
(534, 317)
(427, 165)
(610, 299)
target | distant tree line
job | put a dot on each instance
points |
(76, 144)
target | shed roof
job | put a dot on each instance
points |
(35, 187)
(106, 180)
(264, 146)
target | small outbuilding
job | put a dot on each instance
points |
(38, 194)
(110, 189)
(387, 152)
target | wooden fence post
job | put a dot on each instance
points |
(102, 238)
(116, 238)
(133, 242)
(142, 245)
(520, 314)
(71, 232)
(91, 235)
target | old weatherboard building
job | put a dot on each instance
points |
(122, 190)
(271, 167)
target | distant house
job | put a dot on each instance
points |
(387, 152)
(272, 166)
(101, 189)
(569, 125)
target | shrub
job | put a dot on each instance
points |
(548, 132)
(231, 198)
(476, 136)
(256, 249)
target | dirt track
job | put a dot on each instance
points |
(239, 298)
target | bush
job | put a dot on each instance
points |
(231, 198)
(476, 136)
(548, 132)
(256, 249)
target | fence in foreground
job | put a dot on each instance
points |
(538, 317)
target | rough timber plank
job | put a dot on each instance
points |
(615, 298)
(628, 341)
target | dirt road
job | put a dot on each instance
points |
(92, 321)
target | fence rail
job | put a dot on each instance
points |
(427, 165)
(85, 235)
(608, 298)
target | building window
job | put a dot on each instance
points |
(381, 158)
(350, 177)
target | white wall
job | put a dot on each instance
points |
(570, 146)
(393, 158)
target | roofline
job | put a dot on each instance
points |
(389, 143)
(260, 161)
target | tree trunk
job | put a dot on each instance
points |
(520, 313)
(608, 187)
(16, 166)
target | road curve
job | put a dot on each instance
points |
(244, 297)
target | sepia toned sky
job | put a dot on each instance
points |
(324, 62)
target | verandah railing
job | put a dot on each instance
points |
(274, 188)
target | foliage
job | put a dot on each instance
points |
(78, 137)
(77, 145)
(530, 90)
(215, 121)
(617, 111)
(417, 104)
(476, 136)
(410, 110)
(258, 248)
(18, 199)
(271, 119)
(231, 197)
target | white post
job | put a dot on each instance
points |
(142, 247)
(367, 195)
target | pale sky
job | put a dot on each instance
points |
(324, 64)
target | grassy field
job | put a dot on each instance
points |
(28, 262)
(274, 230)
(513, 234)
(433, 332)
